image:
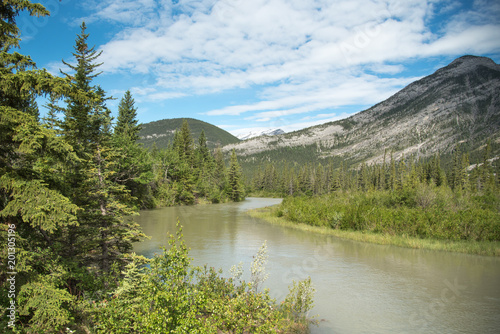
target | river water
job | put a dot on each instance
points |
(361, 288)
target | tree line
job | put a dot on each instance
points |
(461, 175)
(404, 198)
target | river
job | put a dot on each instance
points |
(361, 288)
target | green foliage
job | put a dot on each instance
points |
(46, 305)
(257, 271)
(35, 203)
(126, 125)
(175, 297)
(236, 189)
(162, 133)
(315, 178)
(186, 173)
(299, 300)
(58, 185)
(85, 114)
(426, 212)
(67, 190)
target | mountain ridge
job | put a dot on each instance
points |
(457, 103)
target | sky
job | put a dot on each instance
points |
(249, 65)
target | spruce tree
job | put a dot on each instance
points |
(220, 169)
(81, 123)
(392, 175)
(134, 165)
(184, 171)
(236, 189)
(127, 124)
(183, 143)
(202, 148)
(103, 237)
(205, 167)
(32, 159)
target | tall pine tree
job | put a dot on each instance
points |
(127, 124)
(236, 188)
(83, 120)
(134, 167)
(32, 159)
(103, 237)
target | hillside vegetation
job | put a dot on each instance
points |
(162, 133)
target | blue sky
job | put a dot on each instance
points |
(257, 64)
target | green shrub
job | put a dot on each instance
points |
(425, 211)
(172, 296)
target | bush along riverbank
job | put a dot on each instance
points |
(426, 216)
(175, 297)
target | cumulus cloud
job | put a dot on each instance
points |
(301, 56)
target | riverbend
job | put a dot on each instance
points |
(361, 287)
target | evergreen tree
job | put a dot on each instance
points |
(103, 237)
(52, 120)
(127, 123)
(220, 169)
(202, 148)
(183, 143)
(392, 175)
(236, 189)
(32, 158)
(363, 178)
(205, 166)
(382, 176)
(184, 173)
(107, 233)
(82, 120)
(134, 164)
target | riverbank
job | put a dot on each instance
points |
(487, 248)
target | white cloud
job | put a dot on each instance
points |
(131, 12)
(165, 96)
(302, 56)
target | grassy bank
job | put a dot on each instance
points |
(488, 248)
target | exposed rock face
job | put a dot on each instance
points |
(457, 103)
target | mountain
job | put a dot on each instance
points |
(459, 103)
(253, 134)
(162, 132)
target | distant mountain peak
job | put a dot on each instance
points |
(467, 59)
(253, 134)
(466, 64)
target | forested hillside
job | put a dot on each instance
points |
(162, 132)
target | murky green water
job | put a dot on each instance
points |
(361, 288)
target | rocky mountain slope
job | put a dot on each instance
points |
(459, 103)
(162, 132)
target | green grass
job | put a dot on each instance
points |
(488, 248)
